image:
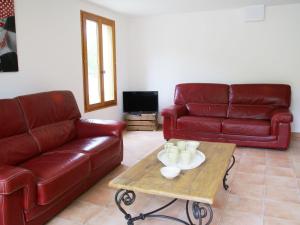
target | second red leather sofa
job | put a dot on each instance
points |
(255, 115)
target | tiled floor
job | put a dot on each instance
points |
(264, 190)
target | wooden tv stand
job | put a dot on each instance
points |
(143, 121)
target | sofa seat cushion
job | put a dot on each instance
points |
(249, 127)
(99, 149)
(200, 124)
(57, 172)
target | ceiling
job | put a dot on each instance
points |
(155, 7)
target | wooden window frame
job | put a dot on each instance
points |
(100, 21)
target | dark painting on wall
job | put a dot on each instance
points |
(8, 45)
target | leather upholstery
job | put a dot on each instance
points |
(259, 112)
(51, 136)
(201, 124)
(92, 128)
(48, 108)
(11, 211)
(13, 179)
(98, 149)
(248, 127)
(16, 145)
(52, 123)
(201, 93)
(56, 172)
(261, 94)
(11, 118)
(175, 111)
(254, 115)
(207, 109)
(280, 116)
(254, 101)
(17, 149)
(49, 155)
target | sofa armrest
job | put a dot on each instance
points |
(281, 115)
(174, 111)
(13, 179)
(94, 127)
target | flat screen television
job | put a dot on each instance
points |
(140, 101)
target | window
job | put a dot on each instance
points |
(99, 61)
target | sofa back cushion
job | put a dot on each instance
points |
(16, 145)
(203, 99)
(50, 117)
(257, 101)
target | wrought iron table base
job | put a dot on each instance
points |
(225, 185)
(200, 210)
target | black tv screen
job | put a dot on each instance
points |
(140, 101)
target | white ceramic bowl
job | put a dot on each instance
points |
(170, 172)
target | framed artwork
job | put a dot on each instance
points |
(8, 45)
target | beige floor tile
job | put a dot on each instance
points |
(239, 151)
(283, 210)
(60, 221)
(117, 171)
(258, 172)
(295, 151)
(296, 158)
(247, 190)
(295, 144)
(296, 167)
(246, 160)
(247, 178)
(251, 168)
(280, 171)
(107, 217)
(277, 155)
(283, 194)
(80, 212)
(252, 152)
(221, 199)
(277, 221)
(240, 218)
(102, 197)
(285, 182)
(279, 163)
(241, 204)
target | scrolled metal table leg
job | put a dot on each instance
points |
(200, 212)
(227, 173)
(127, 198)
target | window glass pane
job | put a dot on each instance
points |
(108, 62)
(94, 82)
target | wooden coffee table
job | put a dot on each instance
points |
(198, 186)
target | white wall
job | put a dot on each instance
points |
(216, 46)
(155, 53)
(49, 50)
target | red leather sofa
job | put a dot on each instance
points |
(254, 115)
(49, 155)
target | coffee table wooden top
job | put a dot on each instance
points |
(200, 184)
